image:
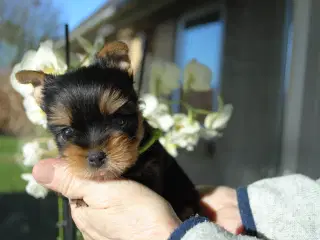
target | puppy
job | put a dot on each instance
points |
(93, 113)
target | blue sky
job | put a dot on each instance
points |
(209, 35)
(75, 11)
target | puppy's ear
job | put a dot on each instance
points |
(116, 55)
(36, 78)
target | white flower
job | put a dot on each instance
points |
(156, 113)
(165, 121)
(210, 133)
(34, 112)
(197, 76)
(23, 89)
(32, 153)
(150, 104)
(44, 59)
(217, 121)
(185, 132)
(51, 145)
(33, 188)
(168, 145)
(164, 77)
(161, 118)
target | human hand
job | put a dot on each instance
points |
(116, 209)
(220, 205)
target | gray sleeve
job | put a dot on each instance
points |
(200, 228)
(210, 231)
(286, 208)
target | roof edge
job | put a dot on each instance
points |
(106, 11)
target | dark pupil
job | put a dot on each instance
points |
(68, 132)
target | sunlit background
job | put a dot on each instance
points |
(264, 58)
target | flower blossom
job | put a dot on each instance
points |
(45, 60)
(156, 113)
(33, 188)
(170, 147)
(32, 153)
(164, 77)
(217, 121)
(185, 132)
(34, 112)
(197, 76)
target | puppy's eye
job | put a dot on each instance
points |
(67, 133)
(122, 122)
(119, 122)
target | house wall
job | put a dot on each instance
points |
(309, 150)
(301, 136)
(251, 81)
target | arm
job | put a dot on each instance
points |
(200, 228)
(286, 207)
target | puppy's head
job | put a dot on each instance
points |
(93, 113)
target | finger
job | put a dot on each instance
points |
(86, 237)
(55, 175)
(83, 220)
(77, 215)
(229, 218)
(111, 192)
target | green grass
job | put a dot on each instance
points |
(10, 171)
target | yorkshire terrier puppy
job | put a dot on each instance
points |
(94, 115)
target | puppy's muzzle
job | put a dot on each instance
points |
(97, 159)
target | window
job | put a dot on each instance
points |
(200, 36)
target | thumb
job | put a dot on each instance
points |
(54, 174)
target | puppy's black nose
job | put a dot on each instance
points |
(96, 159)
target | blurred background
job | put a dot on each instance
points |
(264, 55)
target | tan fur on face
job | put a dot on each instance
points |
(77, 160)
(111, 101)
(122, 154)
(60, 115)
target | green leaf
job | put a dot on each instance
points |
(220, 103)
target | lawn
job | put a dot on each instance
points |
(10, 171)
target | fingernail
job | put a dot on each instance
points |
(43, 172)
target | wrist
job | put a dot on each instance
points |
(164, 231)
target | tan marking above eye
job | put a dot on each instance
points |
(111, 101)
(60, 115)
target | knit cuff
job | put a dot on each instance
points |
(245, 212)
(186, 226)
